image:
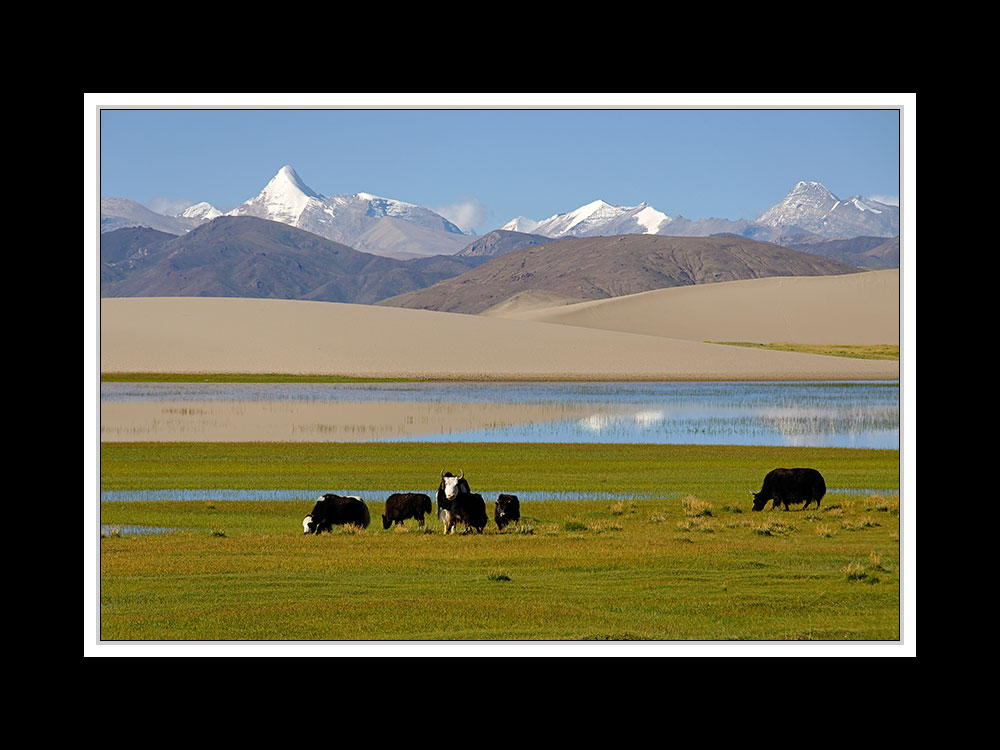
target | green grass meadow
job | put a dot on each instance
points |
(688, 562)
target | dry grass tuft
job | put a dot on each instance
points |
(694, 507)
(622, 507)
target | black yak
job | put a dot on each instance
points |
(790, 486)
(468, 509)
(403, 505)
(508, 510)
(331, 510)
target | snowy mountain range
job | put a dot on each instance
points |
(809, 208)
(366, 222)
(394, 228)
(594, 219)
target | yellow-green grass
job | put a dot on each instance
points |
(853, 351)
(690, 561)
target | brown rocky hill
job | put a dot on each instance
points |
(589, 268)
(243, 256)
(864, 252)
(500, 241)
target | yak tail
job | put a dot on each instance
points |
(368, 515)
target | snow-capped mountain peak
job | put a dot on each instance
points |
(596, 218)
(810, 207)
(287, 180)
(203, 211)
(521, 224)
(283, 199)
(354, 219)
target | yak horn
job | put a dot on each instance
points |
(442, 473)
(462, 472)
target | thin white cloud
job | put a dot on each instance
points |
(467, 213)
(168, 206)
(889, 200)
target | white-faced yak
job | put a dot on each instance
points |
(331, 510)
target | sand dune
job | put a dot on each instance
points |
(861, 308)
(228, 335)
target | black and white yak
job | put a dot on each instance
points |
(790, 486)
(457, 503)
(403, 505)
(334, 510)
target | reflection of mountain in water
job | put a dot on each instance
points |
(857, 415)
(795, 426)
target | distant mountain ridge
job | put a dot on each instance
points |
(808, 215)
(117, 213)
(500, 241)
(585, 268)
(367, 222)
(243, 256)
(808, 208)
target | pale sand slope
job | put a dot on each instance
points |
(227, 335)
(859, 308)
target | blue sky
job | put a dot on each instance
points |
(483, 167)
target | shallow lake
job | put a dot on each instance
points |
(841, 414)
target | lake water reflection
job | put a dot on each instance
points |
(847, 414)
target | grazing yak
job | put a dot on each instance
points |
(458, 504)
(403, 505)
(468, 509)
(331, 510)
(790, 486)
(508, 510)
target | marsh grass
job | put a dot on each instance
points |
(853, 351)
(770, 527)
(882, 504)
(653, 568)
(864, 522)
(868, 571)
(694, 507)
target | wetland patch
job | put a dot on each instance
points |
(809, 414)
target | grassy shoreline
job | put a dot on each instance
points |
(851, 351)
(691, 562)
(492, 466)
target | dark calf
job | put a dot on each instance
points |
(468, 509)
(508, 510)
(403, 505)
